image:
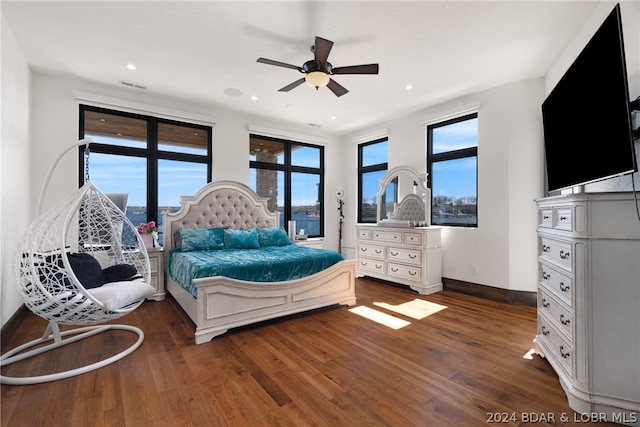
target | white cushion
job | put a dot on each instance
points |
(116, 295)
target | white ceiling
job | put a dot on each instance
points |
(193, 51)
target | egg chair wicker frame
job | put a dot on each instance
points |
(86, 221)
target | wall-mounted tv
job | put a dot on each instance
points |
(586, 117)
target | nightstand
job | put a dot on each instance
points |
(312, 242)
(156, 262)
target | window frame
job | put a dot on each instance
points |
(151, 153)
(463, 153)
(288, 169)
(362, 170)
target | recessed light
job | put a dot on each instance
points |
(230, 91)
(131, 66)
(408, 87)
(333, 117)
(254, 98)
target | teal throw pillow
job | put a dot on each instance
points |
(241, 239)
(201, 239)
(273, 236)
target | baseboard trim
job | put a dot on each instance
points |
(529, 299)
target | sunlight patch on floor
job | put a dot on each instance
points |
(380, 317)
(416, 309)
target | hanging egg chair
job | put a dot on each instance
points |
(82, 262)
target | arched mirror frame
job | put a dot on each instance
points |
(422, 191)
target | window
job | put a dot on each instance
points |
(452, 165)
(372, 166)
(290, 175)
(153, 160)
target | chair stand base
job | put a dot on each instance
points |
(52, 334)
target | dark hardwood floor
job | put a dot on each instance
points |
(457, 366)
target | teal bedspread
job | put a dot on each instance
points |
(266, 264)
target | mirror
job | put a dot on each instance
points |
(403, 198)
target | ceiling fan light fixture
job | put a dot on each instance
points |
(317, 79)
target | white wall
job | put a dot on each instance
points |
(14, 160)
(501, 251)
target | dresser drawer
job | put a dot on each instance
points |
(409, 256)
(371, 251)
(560, 349)
(563, 218)
(545, 218)
(409, 238)
(367, 264)
(557, 312)
(559, 284)
(387, 236)
(405, 272)
(364, 234)
(557, 252)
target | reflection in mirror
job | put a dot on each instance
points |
(402, 198)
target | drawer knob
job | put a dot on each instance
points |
(378, 266)
(564, 255)
(563, 353)
(545, 303)
(378, 251)
(393, 253)
(413, 256)
(412, 273)
(563, 218)
(563, 320)
(395, 270)
(563, 287)
(545, 331)
(545, 275)
(546, 248)
(363, 249)
(545, 217)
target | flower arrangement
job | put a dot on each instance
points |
(148, 228)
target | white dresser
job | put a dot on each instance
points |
(408, 256)
(589, 301)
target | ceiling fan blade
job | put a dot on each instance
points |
(279, 64)
(295, 84)
(336, 88)
(321, 49)
(357, 69)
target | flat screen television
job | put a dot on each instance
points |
(588, 133)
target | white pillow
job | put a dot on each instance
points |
(115, 295)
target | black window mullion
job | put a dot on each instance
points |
(152, 169)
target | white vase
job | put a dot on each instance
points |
(147, 239)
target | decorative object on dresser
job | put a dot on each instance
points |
(216, 303)
(401, 247)
(588, 299)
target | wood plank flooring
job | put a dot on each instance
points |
(327, 367)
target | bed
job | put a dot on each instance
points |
(217, 303)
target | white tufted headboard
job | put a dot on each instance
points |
(410, 209)
(226, 204)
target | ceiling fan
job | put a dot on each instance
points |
(318, 70)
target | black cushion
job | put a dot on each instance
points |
(87, 269)
(119, 273)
